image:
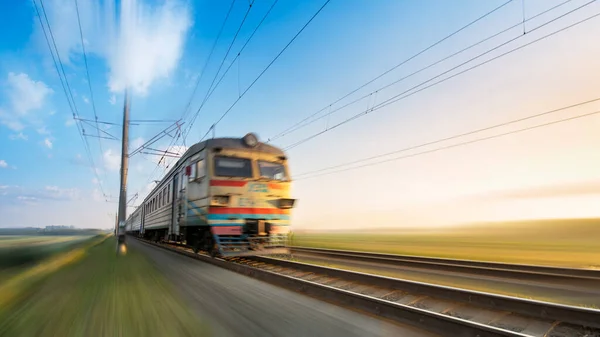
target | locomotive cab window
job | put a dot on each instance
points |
(233, 167)
(270, 170)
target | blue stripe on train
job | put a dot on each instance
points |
(247, 216)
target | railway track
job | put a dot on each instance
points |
(444, 310)
(491, 269)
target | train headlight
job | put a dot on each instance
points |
(219, 200)
(287, 203)
(251, 140)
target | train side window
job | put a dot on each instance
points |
(200, 169)
(192, 172)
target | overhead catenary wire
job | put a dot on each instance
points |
(266, 68)
(219, 69)
(89, 80)
(198, 80)
(58, 64)
(233, 61)
(456, 145)
(171, 144)
(445, 139)
(306, 121)
(403, 62)
(409, 92)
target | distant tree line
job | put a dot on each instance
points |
(50, 230)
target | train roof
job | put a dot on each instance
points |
(232, 143)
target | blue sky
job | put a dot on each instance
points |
(158, 49)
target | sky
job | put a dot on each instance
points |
(160, 50)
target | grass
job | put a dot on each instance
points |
(18, 253)
(569, 243)
(102, 295)
(9, 241)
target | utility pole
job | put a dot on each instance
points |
(122, 215)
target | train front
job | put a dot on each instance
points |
(250, 203)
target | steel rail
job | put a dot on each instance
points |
(278, 272)
(496, 269)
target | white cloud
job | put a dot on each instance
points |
(112, 100)
(136, 143)
(95, 181)
(43, 131)
(24, 96)
(46, 193)
(97, 195)
(48, 143)
(20, 135)
(52, 113)
(25, 93)
(142, 45)
(54, 192)
(85, 100)
(3, 164)
(112, 161)
(69, 122)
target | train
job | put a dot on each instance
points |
(227, 196)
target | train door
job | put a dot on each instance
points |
(181, 198)
(175, 206)
(142, 220)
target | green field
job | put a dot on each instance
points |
(572, 243)
(18, 253)
(102, 295)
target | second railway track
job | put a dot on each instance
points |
(494, 269)
(444, 310)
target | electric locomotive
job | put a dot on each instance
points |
(227, 196)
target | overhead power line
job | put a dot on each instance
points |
(198, 80)
(165, 132)
(221, 65)
(242, 49)
(393, 68)
(211, 89)
(445, 139)
(174, 140)
(410, 92)
(58, 65)
(307, 121)
(454, 145)
(89, 80)
(266, 68)
(185, 112)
